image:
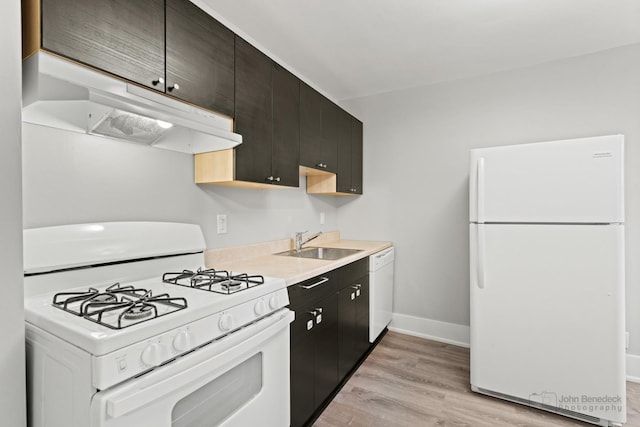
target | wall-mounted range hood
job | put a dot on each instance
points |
(62, 94)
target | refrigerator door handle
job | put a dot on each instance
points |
(481, 257)
(480, 190)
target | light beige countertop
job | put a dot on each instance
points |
(260, 259)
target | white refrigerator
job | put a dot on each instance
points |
(547, 276)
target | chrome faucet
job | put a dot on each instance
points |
(300, 242)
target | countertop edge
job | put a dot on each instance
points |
(292, 269)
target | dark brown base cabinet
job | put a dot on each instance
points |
(328, 336)
(314, 347)
(353, 318)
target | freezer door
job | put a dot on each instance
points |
(547, 315)
(579, 180)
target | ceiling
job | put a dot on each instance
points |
(354, 48)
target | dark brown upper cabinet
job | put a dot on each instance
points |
(348, 179)
(120, 37)
(179, 50)
(349, 176)
(318, 130)
(267, 115)
(199, 58)
(253, 114)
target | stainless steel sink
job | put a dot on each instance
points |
(320, 253)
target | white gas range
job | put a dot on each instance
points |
(118, 334)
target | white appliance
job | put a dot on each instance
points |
(547, 276)
(66, 95)
(118, 334)
(380, 291)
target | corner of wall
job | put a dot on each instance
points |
(449, 333)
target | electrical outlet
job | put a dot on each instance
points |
(222, 224)
(321, 218)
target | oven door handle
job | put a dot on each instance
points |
(207, 363)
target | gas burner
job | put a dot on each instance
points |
(118, 306)
(211, 280)
(231, 285)
(138, 312)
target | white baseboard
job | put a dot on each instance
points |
(452, 333)
(633, 368)
(435, 330)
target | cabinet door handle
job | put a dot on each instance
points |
(158, 81)
(320, 282)
(269, 178)
(318, 315)
(175, 86)
(357, 287)
(277, 179)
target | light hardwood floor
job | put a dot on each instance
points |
(413, 382)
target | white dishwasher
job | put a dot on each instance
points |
(380, 291)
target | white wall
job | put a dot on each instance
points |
(74, 178)
(12, 380)
(416, 159)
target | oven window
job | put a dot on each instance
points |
(214, 402)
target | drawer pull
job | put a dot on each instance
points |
(320, 282)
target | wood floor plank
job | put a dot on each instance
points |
(414, 382)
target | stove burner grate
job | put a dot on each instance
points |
(211, 280)
(118, 306)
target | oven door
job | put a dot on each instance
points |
(239, 380)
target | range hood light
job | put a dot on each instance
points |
(163, 124)
(125, 125)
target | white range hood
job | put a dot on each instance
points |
(65, 95)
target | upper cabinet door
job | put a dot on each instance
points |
(310, 127)
(253, 114)
(122, 37)
(318, 130)
(329, 124)
(356, 156)
(343, 184)
(286, 127)
(200, 58)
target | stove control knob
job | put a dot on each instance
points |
(154, 354)
(274, 302)
(226, 322)
(183, 341)
(260, 308)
